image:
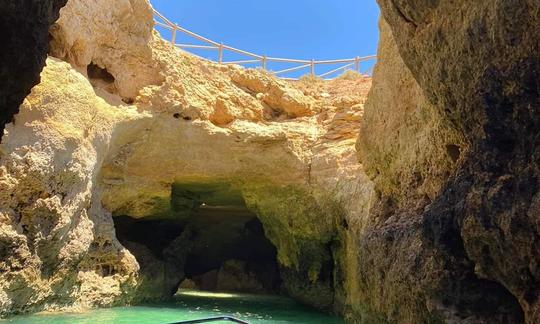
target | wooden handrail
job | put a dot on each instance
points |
(167, 21)
(335, 61)
(335, 70)
(284, 60)
(164, 25)
(292, 69)
(232, 49)
(196, 36)
(262, 59)
(241, 62)
(210, 47)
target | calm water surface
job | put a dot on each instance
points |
(193, 305)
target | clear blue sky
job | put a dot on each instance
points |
(302, 29)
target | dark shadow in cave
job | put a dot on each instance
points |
(96, 73)
(229, 242)
(210, 241)
(101, 78)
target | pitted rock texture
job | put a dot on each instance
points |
(25, 29)
(58, 245)
(125, 124)
(405, 142)
(471, 250)
(82, 36)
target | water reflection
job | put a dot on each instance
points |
(190, 304)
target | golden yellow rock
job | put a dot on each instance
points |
(127, 120)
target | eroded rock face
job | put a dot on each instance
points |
(82, 36)
(58, 245)
(406, 143)
(125, 125)
(446, 230)
(25, 29)
(470, 247)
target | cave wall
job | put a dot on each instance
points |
(446, 232)
(405, 142)
(82, 37)
(113, 126)
(25, 29)
(58, 245)
(470, 252)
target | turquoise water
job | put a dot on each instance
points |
(193, 305)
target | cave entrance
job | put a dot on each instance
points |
(208, 241)
(100, 78)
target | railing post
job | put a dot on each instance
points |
(220, 54)
(167, 24)
(173, 38)
(263, 61)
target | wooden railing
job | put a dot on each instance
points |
(262, 60)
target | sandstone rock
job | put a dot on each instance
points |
(24, 26)
(187, 284)
(82, 36)
(463, 253)
(207, 281)
(405, 141)
(234, 275)
(445, 230)
(57, 242)
(135, 127)
(275, 93)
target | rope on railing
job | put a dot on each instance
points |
(262, 59)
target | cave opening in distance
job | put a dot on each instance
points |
(208, 241)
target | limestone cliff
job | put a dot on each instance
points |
(125, 129)
(134, 165)
(457, 240)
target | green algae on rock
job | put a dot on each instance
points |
(466, 251)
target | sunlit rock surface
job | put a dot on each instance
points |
(125, 125)
(24, 26)
(134, 166)
(58, 245)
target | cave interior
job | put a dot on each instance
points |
(208, 241)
